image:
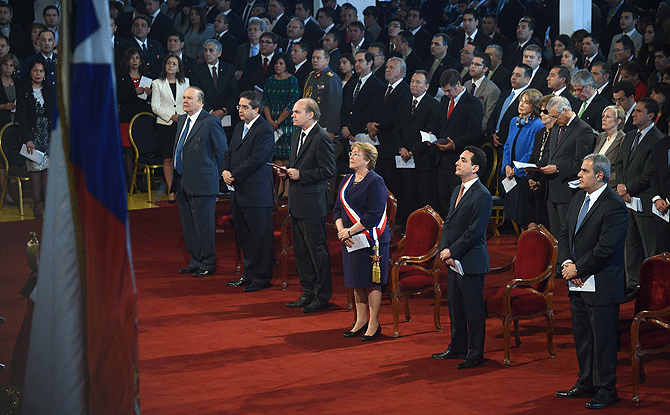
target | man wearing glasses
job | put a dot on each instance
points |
(258, 68)
(591, 110)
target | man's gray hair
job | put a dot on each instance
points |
(401, 64)
(560, 103)
(582, 78)
(258, 22)
(214, 42)
(199, 93)
(600, 164)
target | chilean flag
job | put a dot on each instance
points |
(82, 356)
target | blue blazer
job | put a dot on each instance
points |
(465, 228)
(248, 160)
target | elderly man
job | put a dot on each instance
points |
(311, 164)
(220, 91)
(198, 164)
(591, 110)
(591, 252)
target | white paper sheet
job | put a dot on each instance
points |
(665, 217)
(458, 268)
(508, 184)
(402, 164)
(144, 83)
(635, 204)
(37, 155)
(520, 165)
(365, 138)
(431, 138)
(278, 134)
(226, 121)
(573, 184)
(588, 287)
(360, 242)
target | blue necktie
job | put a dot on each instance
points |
(357, 89)
(180, 145)
(582, 213)
(245, 131)
(506, 105)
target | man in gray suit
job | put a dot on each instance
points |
(311, 164)
(482, 87)
(198, 163)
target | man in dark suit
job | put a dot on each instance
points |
(532, 56)
(198, 163)
(295, 33)
(385, 114)
(470, 35)
(439, 62)
(248, 173)
(280, 20)
(211, 11)
(623, 95)
(244, 8)
(611, 16)
(228, 42)
(638, 150)
(357, 39)
(570, 141)
(311, 164)
(590, 52)
(359, 96)
(509, 12)
(498, 74)
(404, 49)
(235, 24)
(151, 49)
(557, 81)
(507, 106)
(303, 67)
(524, 36)
(602, 75)
(303, 11)
(175, 46)
(255, 30)
(331, 43)
(418, 187)
(591, 110)
(19, 45)
(660, 188)
(422, 37)
(464, 244)
(379, 64)
(161, 24)
(260, 67)
(489, 26)
(47, 42)
(460, 116)
(591, 252)
(220, 93)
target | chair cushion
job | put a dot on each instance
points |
(412, 279)
(654, 292)
(533, 255)
(420, 235)
(651, 335)
(522, 302)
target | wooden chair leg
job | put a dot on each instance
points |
(4, 190)
(506, 339)
(20, 196)
(147, 171)
(408, 317)
(438, 301)
(550, 333)
(283, 259)
(635, 371)
(517, 337)
(396, 317)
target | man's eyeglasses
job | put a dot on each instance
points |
(246, 107)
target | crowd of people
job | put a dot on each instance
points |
(469, 73)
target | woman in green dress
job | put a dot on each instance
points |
(280, 92)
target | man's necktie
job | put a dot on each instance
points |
(469, 40)
(180, 145)
(503, 110)
(587, 63)
(451, 108)
(245, 131)
(144, 49)
(388, 92)
(215, 77)
(561, 133)
(460, 194)
(472, 89)
(254, 51)
(636, 142)
(582, 109)
(265, 65)
(414, 102)
(617, 77)
(357, 89)
(582, 213)
(290, 47)
(300, 142)
(610, 15)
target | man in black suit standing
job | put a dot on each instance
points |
(439, 62)
(524, 36)
(295, 33)
(422, 37)
(385, 115)
(557, 81)
(303, 11)
(303, 67)
(623, 95)
(498, 74)
(161, 24)
(460, 116)
(470, 35)
(404, 49)
(357, 39)
(532, 56)
(235, 24)
(198, 163)
(311, 164)
(602, 75)
(211, 11)
(151, 49)
(591, 52)
(247, 171)
(260, 67)
(464, 244)
(660, 188)
(636, 152)
(489, 26)
(228, 42)
(175, 46)
(506, 107)
(591, 252)
(591, 110)
(611, 17)
(418, 187)
(19, 45)
(280, 20)
(220, 91)
(570, 141)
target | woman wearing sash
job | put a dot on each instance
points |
(360, 217)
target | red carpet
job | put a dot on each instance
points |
(206, 348)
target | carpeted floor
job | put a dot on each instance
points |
(206, 348)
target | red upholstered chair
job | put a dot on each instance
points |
(649, 331)
(417, 270)
(531, 292)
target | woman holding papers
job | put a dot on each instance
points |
(9, 65)
(539, 148)
(280, 92)
(166, 103)
(132, 100)
(34, 108)
(360, 219)
(519, 204)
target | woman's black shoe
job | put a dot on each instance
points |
(357, 332)
(365, 338)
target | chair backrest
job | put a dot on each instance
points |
(391, 208)
(491, 170)
(143, 137)
(10, 145)
(422, 233)
(654, 291)
(536, 254)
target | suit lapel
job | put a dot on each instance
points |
(196, 126)
(592, 209)
(308, 140)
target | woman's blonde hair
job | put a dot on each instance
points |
(369, 151)
(534, 96)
